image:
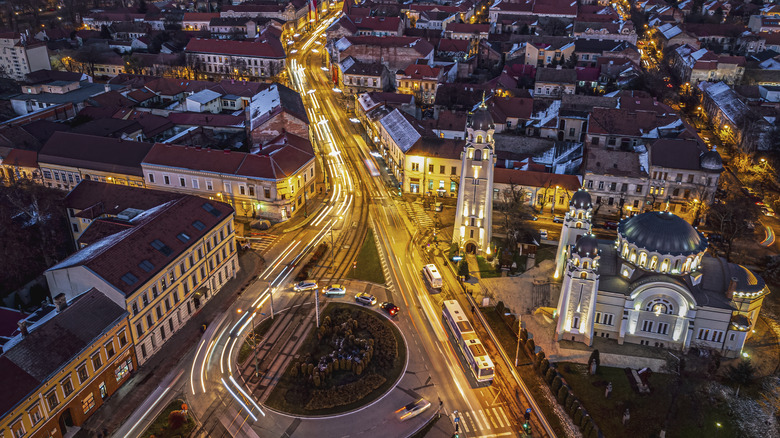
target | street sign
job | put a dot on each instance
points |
(457, 419)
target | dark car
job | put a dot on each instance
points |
(558, 219)
(390, 308)
(610, 225)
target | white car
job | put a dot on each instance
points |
(413, 409)
(305, 285)
(364, 298)
(543, 233)
(334, 290)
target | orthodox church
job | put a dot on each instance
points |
(654, 285)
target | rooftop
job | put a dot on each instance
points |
(92, 152)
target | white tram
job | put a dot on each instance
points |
(475, 353)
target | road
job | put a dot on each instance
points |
(227, 400)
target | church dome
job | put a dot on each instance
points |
(581, 200)
(587, 246)
(662, 232)
(481, 120)
(711, 161)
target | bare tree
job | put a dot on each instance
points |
(513, 206)
(732, 219)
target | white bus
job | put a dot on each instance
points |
(432, 275)
(475, 353)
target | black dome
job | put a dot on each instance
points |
(581, 200)
(587, 246)
(481, 120)
(711, 161)
(662, 232)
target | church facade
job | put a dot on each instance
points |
(654, 285)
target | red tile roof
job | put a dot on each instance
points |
(266, 48)
(468, 28)
(422, 71)
(93, 152)
(94, 199)
(200, 119)
(380, 24)
(199, 16)
(21, 158)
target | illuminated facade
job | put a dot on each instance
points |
(474, 218)
(655, 286)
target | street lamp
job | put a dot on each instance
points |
(254, 341)
(519, 328)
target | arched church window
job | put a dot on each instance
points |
(471, 153)
(479, 139)
(579, 225)
(583, 275)
(584, 265)
(490, 138)
(642, 259)
(576, 262)
(677, 264)
(478, 155)
(665, 266)
(687, 265)
(660, 306)
(654, 263)
(632, 258)
(579, 215)
(625, 250)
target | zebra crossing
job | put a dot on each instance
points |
(418, 215)
(261, 243)
(493, 418)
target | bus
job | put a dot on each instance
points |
(432, 275)
(478, 360)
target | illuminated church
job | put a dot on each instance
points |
(654, 285)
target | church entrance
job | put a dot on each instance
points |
(471, 248)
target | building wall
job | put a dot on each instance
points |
(427, 175)
(84, 397)
(227, 65)
(607, 192)
(67, 177)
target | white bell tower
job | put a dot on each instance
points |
(577, 303)
(474, 216)
(576, 223)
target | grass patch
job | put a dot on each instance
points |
(691, 413)
(293, 391)
(246, 346)
(486, 269)
(508, 339)
(369, 267)
(159, 428)
(545, 252)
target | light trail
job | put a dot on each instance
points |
(238, 400)
(195, 362)
(247, 396)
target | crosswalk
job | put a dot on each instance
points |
(493, 418)
(261, 243)
(418, 215)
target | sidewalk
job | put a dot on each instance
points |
(115, 410)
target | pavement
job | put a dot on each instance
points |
(148, 377)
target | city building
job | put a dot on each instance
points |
(273, 183)
(432, 167)
(19, 165)
(59, 370)
(473, 218)
(67, 158)
(654, 285)
(21, 54)
(420, 80)
(160, 266)
(37, 97)
(691, 65)
(260, 59)
(358, 77)
(552, 82)
(274, 111)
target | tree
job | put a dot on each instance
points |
(516, 212)
(176, 419)
(732, 219)
(743, 373)
(142, 8)
(463, 269)
(104, 32)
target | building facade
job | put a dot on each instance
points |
(160, 267)
(21, 54)
(59, 370)
(655, 286)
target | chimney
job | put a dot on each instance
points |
(732, 288)
(61, 302)
(23, 328)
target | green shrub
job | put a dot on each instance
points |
(549, 375)
(544, 366)
(594, 432)
(344, 394)
(539, 357)
(577, 416)
(574, 408)
(556, 384)
(570, 399)
(583, 421)
(563, 395)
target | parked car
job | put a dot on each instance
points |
(390, 308)
(543, 234)
(305, 285)
(413, 409)
(366, 299)
(610, 225)
(334, 290)
(768, 211)
(558, 219)
(534, 218)
(438, 206)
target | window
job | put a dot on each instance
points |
(96, 362)
(209, 186)
(182, 182)
(415, 167)
(252, 188)
(110, 349)
(242, 190)
(608, 319)
(717, 336)
(195, 184)
(575, 324)
(122, 339)
(139, 330)
(52, 400)
(228, 188)
(183, 237)
(663, 328)
(199, 225)
(267, 193)
(88, 402)
(18, 429)
(35, 415)
(154, 291)
(135, 309)
(83, 373)
(130, 279)
(67, 386)
(167, 180)
(151, 178)
(601, 185)
(639, 188)
(647, 326)
(703, 334)
(146, 265)
(163, 248)
(149, 320)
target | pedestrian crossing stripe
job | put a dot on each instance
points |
(484, 419)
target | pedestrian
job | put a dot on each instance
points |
(608, 391)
